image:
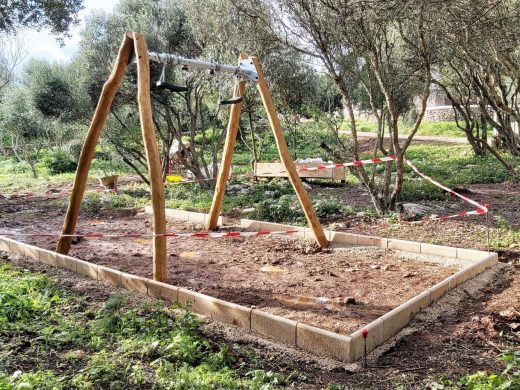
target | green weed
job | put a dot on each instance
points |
(63, 342)
(509, 378)
(505, 236)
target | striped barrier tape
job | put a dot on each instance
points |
(453, 216)
(356, 163)
(483, 208)
(151, 235)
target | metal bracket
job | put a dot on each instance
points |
(248, 66)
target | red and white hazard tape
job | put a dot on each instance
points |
(151, 235)
(356, 163)
(458, 215)
(481, 209)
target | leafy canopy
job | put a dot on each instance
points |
(57, 15)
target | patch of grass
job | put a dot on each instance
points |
(62, 342)
(481, 380)
(456, 165)
(17, 177)
(440, 129)
(361, 125)
(506, 236)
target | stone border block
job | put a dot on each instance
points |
(323, 342)
(109, 275)
(200, 303)
(457, 278)
(162, 291)
(402, 245)
(439, 290)
(301, 231)
(184, 215)
(250, 224)
(231, 313)
(67, 262)
(273, 326)
(134, 283)
(4, 244)
(374, 338)
(372, 241)
(199, 218)
(400, 317)
(344, 238)
(471, 254)
(48, 257)
(271, 227)
(17, 247)
(170, 213)
(438, 250)
(32, 252)
(481, 266)
(87, 269)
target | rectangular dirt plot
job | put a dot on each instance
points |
(339, 290)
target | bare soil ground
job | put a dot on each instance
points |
(455, 337)
(280, 275)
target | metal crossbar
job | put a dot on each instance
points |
(245, 71)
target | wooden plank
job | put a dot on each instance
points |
(286, 158)
(160, 270)
(87, 153)
(227, 155)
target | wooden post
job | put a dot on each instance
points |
(160, 270)
(87, 153)
(227, 155)
(287, 160)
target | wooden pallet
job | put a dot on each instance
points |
(278, 170)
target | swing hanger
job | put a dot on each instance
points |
(245, 70)
(162, 84)
(233, 100)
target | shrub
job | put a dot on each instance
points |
(121, 201)
(91, 202)
(283, 209)
(327, 207)
(59, 162)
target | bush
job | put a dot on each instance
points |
(121, 201)
(91, 202)
(60, 162)
(284, 209)
(328, 207)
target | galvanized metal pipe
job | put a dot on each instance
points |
(245, 70)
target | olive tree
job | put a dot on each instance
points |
(57, 15)
(383, 50)
(22, 127)
(482, 53)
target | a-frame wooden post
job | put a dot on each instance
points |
(227, 154)
(132, 42)
(160, 266)
(285, 156)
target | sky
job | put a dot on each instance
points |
(40, 44)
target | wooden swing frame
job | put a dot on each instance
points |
(135, 44)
